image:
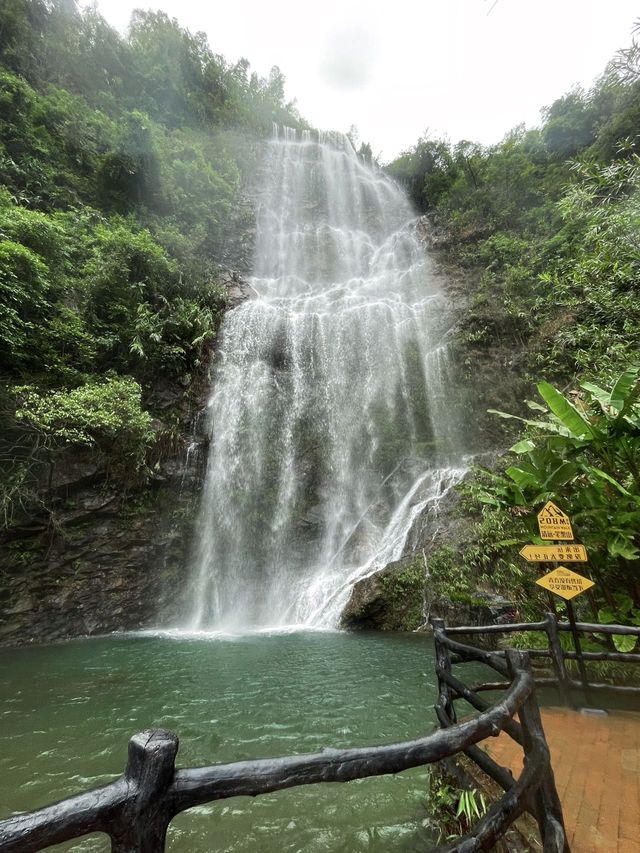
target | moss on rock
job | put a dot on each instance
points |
(391, 600)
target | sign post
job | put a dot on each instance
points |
(567, 585)
(555, 525)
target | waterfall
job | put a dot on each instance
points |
(331, 422)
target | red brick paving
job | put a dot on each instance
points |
(596, 762)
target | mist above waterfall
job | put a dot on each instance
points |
(330, 414)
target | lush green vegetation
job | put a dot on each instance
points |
(452, 810)
(404, 592)
(548, 223)
(585, 452)
(122, 168)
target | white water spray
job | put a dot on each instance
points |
(330, 417)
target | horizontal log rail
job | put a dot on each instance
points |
(136, 809)
(513, 627)
(594, 628)
(552, 626)
(506, 628)
(572, 684)
(623, 657)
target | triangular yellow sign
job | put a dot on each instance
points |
(553, 523)
(565, 583)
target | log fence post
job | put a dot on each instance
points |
(142, 825)
(545, 800)
(443, 664)
(557, 658)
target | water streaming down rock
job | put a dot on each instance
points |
(330, 415)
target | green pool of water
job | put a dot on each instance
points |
(68, 711)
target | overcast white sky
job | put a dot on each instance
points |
(467, 69)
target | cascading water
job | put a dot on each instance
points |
(330, 417)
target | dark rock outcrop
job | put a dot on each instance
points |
(97, 560)
(398, 598)
(238, 290)
(389, 600)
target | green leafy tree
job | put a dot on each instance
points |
(130, 175)
(125, 269)
(569, 124)
(21, 33)
(23, 288)
(107, 415)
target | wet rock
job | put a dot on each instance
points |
(23, 605)
(238, 291)
(390, 600)
(397, 599)
(75, 468)
(165, 395)
(489, 609)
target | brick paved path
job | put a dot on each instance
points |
(596, 762)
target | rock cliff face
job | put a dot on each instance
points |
(106, 565)
(393, 599)
(103, 557)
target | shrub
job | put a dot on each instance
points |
(106, 415)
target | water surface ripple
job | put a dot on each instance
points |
(68, 711)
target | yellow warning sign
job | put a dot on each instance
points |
(553, 523)
(568, 553)
(565, 583)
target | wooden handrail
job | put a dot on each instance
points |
(513, 627)
(551, 625)
(501, 815)
(594, 628)
(506, 628)
(535, 789)
(461, 691)
(470, 653)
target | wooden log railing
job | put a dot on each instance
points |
(552, 627)
(534, 791)
(136, 810)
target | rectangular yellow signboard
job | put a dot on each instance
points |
(565, 583)
(568, 553)
(553, 523)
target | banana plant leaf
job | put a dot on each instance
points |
(598, 472)
(599, 394)
(625, 389)
(566, 413)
